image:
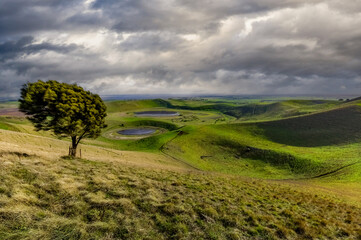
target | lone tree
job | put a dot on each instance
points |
(67, 110)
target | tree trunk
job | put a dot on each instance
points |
(74, 144)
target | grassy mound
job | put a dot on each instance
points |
(122, 106)
(43, 198)
(273, 157)
(244, 149)
(135, 122)
(338, 126)
(258, 110)
(233, 149)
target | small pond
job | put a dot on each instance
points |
(137, 131)
(157, 114)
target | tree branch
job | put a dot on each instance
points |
(81, 136)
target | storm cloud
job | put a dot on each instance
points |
(183, 47)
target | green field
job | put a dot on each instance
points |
(224, 168)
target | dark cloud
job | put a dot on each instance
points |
(27, 16)
(184, 16)
(157, 46)
(85, 20)
(25, 46)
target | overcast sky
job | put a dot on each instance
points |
(184, 46)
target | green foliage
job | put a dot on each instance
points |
(65, 109)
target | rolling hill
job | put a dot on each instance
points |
(287, 169)
(338, 126)
(298, 147)
(127, 195)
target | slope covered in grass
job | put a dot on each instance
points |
(7, 126)
(258, 110)
(244, 149)
(338, 126)
(112, 194)
(289, 148)
(128, 105)
(50, 148)
(298, 147)
(234, 149)
(56, 198)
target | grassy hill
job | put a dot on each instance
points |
(286, 169)
(258, 110)
(339, 126)
(297, 147)
(126, 105)
(244, 149)
(325, 143)
(139, 196)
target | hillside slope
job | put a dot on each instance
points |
(127, 105)
(24, 144)
(308, 146)
(44, 196)
(338, 126)
(257, 110)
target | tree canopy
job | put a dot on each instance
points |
(65, 109)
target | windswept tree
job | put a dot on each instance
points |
(67, 110)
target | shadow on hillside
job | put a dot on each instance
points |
(339, 126)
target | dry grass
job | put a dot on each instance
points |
(127, 195)
(51, 148)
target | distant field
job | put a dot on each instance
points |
(14, 112)
(10, 109)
